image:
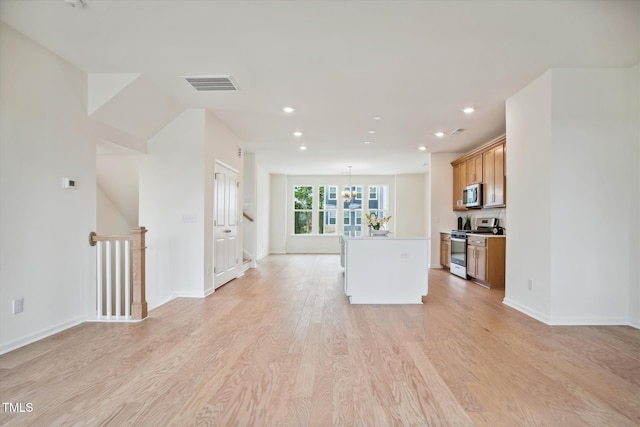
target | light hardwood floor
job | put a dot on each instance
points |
(281, 346)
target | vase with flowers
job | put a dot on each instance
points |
(376, 224)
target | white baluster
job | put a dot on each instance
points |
(99, 279)
(127, 279)
(118, 313)
(108, 278)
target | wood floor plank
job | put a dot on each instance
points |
(281, 346)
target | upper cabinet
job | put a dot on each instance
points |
(494, 177)
(459, 182)
(474, 170)
(486, 165)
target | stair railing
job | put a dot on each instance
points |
(120, 276)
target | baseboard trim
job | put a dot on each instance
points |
(526, 310)
(21, 342)
(189, 294)
(571, 321)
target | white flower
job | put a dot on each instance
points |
(375, 222)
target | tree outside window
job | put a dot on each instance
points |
(302, 209)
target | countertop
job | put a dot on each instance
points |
(478, 234)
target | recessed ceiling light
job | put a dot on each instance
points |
(288, 109)
(367, 142)
(422, 148)
(372, 131)
(297, 133)
(377, 118)
(439, 134)
(302, 147)
(468, 110)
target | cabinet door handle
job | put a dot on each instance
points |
(227, 231)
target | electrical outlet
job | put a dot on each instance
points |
(530, 284)
(18, 305)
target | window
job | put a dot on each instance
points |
(328, 209)
(373, 193)
(380, 204)
(333, 193)
(353, 212)
(302, 209)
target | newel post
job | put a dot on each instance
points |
(139, 302)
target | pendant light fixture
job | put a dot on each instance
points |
(349, 194)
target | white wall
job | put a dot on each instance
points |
(109, 219)
(172, 177)
(176, 203)
(263, 189)
(278, 215)
(117, 170)
(439, 199)
(593, 162)
(411, 195)
(571, 153)
(44, 229)
(634, 291)
(528, 158)
(249, 205)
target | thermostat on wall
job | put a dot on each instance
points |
(69, 183)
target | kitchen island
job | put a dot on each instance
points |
(385, 270)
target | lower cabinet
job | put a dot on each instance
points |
(485, 260)
(445, 249)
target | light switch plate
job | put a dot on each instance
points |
(18, 305)
(69, 183)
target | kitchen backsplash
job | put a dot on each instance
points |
(500, 213)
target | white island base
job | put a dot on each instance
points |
(385, 270)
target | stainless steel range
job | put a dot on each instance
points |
(459, 243)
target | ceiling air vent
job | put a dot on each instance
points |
(457, 131)
(213, 83)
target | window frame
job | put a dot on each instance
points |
(324, 208)
(296, 210)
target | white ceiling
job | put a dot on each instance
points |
(340, 63)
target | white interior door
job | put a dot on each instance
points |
(225, 225)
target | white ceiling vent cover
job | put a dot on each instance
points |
(206, 83)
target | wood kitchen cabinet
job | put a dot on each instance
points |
(486, 165)
(445, 249)
(485, 260)
(494, 176)
(459, 183)
(474, 170)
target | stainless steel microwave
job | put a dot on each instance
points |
(472, 196)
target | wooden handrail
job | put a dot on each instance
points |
(246, 215)
(95, 238)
